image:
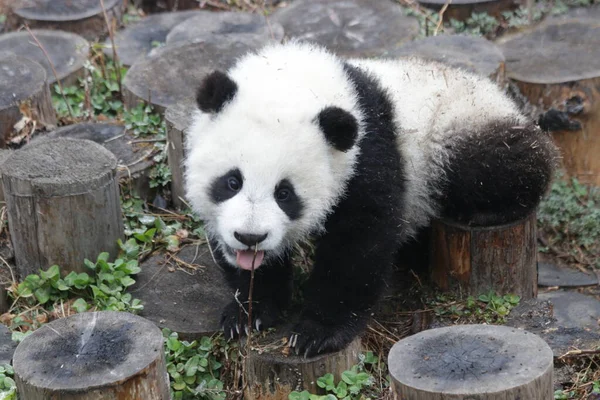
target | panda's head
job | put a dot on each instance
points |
(262, 173)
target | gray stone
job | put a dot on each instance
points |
(552, 275)
(61, 10)
(67, 51)
(574, 310)
(356, 28)
(172, 74)
(7, 345)
(137, 39)
(209, 26)
(187, 301)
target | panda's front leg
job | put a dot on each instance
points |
(352, 262)
(271, 294)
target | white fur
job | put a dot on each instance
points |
(268, 131)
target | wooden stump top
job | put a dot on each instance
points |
(20, 78)
(179, 115)
(185, 300)
(469, 360)
(60, 10)
(557, 52)
(252, 29)
(67, 51)
(112, 137)
(58, 167)
(173, 73)
(7, 345)
(137, 39)
(87, 350)
(353, 28)
(472, 53)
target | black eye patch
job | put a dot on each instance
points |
(226, 186)
(287, 200)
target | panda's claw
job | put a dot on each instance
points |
(258, 323)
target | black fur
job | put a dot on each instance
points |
(216, 90)
(292, 205)
(555, 120)
(220, 189)
(339, 127)
(498, 175)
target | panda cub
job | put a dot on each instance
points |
(294, 141)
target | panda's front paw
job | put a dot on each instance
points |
(310, 338)
(234, 320)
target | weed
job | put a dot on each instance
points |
(569, 220)
(194, 367)
(8, 387)
(490, 308)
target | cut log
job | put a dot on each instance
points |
(461, 10)
(472, 53)
(352, 28)
(172, 74)
(210, 26)
(67, 51)
(97, 355)
(475, 260)
(565, 91)
(272, 374)
(139, 38)
(184, 292)
(178, 117)
(63, 204)
(7, 345)
(25, 99)
(468, 362)
(83, 17)
(134, 159)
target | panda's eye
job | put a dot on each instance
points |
(233, 184)
(283, 195)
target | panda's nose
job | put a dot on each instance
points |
(249, 239)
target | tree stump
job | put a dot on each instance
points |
(475, 260)
(83, 17)
(351, 28)
(63, 204)
(134, 159)
(139, 38)
(178, 117)
(184, 292)
(565, 91)
(209, 26)
(461, 10)
(25, 98)
(96, 355)
(272, 374)
(172, 74)
(472, 53)
(67, 51)
(467, 362)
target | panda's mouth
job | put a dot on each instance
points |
(249, 259)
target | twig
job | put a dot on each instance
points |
(114, 49)
(441, 16)
(573, 353)
(62, 92)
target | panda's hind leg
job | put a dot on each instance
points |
(498, 174)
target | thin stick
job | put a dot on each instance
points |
(62, 92)
(441, 14)
(114, 49)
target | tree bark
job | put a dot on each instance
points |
(475, 260)
(25, 97)
(472, 362)
(63, 204)
(91, 356)
(273, 376)
(178, 118)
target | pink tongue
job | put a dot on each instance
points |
(245, 257)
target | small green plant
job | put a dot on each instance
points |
(194, 367)
(569, 219)
(142, 121)
(8, 387)
(490, 308)
(352, 386)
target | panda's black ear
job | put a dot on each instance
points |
(215, 90)
(339, 126)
